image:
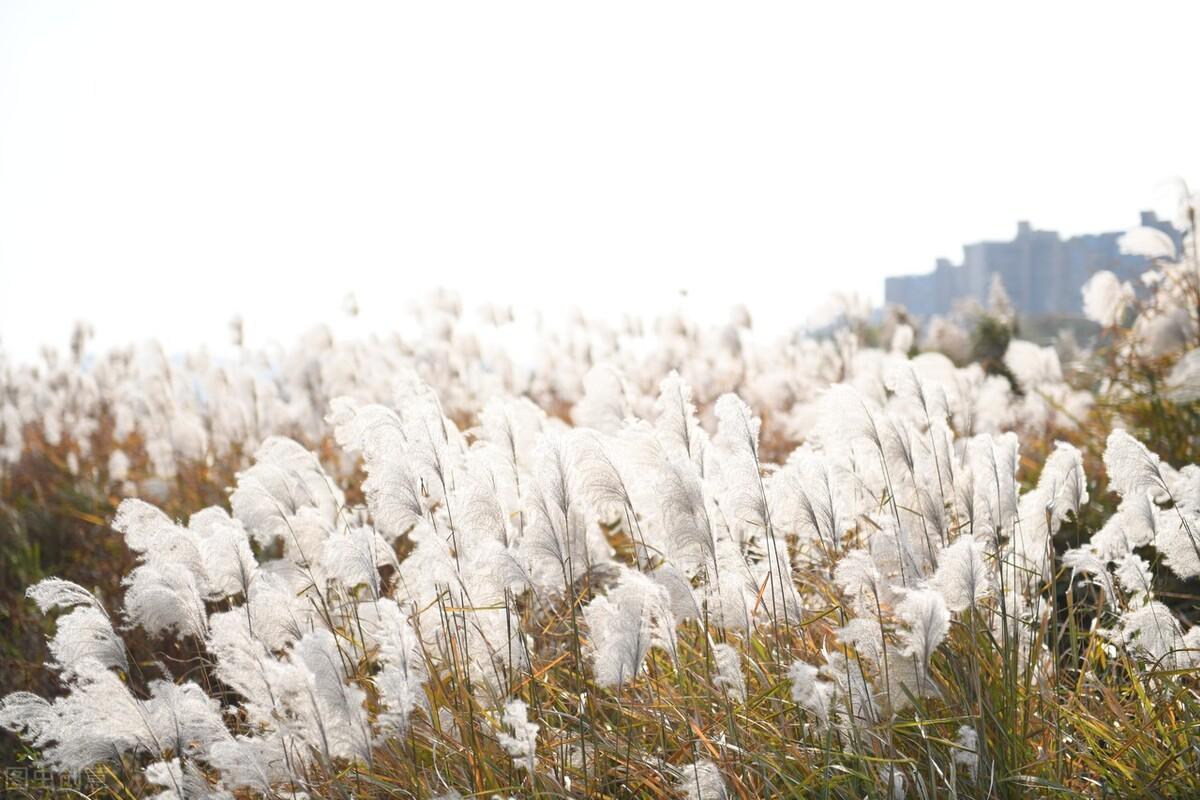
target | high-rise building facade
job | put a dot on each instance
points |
(1042, 272)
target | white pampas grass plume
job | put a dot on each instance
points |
(865, 635)
(811, 497)
(684, 603)
(393, 495)
(1084, 561)
(598, 477)
(258, 763)
(354, 558)
(737, 428)
(184, 718)
(1135, 524)
(925, 613)
(28, 715)
(1176, 538)
(966, 753)
(373, 429)
(690, 535)
(702, 781)
(1131, 467)
(144, 526)
(729, 677)
(1063, 480)
(624, 624)
(744, 492)
(902, 339)
(512, 426)
(285, 478)
(675, 421)
(228, 562)
(244, 664)
(1133, 574)
(335, 708)
(1105, 299)
(927, 402)
(1152, 632)
(392, 487)
(1147, 242)
(555, 536)
(1183, 382)
(522, 743)
(992, 463)
(51, 593)
(860, 579)
(181, 782)
(86, 634)
(846, 417)
(164, 597)
(479, 512)
(403, 672)
(810, 691)
(118, 466)
(1033, 366)
(99, 719)
(895, 782)
(962, 576)
(279, 614)
(604, 405)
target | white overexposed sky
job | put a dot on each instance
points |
(164, 166)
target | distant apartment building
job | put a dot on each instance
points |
(1042, 272)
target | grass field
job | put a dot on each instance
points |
(685, 563)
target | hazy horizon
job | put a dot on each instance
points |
(164, 168)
